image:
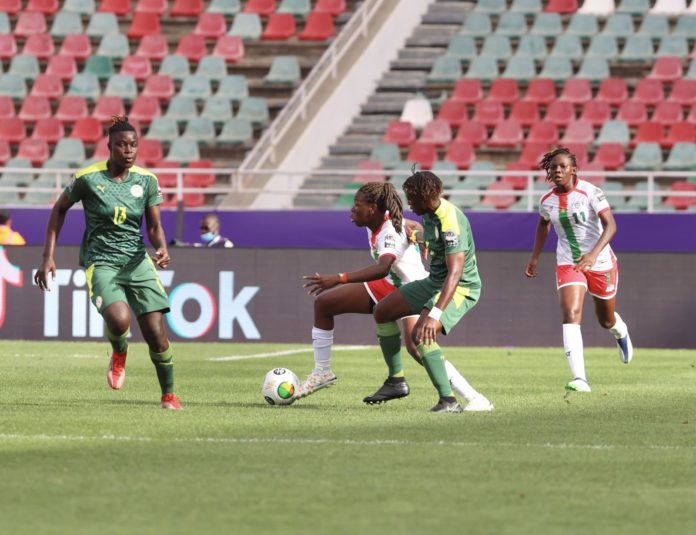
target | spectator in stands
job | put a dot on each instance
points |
(441, 300)
(583, 221)
(8, 236)
(210, 233)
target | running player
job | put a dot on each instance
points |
(378, 208)
(583, 221)
(115, 194)
(441, 300)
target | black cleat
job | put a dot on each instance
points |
(391, 389)
(445, 405)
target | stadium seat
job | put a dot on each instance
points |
(145, 109)
(100, 66)
(120, 8)
(261, 7)
(71, 108)
(478, 181)
(562, 6)
(460, 153)
(543, 133)
(560, 113)
(497, 47)
(150, 151)
(477, 25)
(488, 112)
(200, 129)
(578, 131)
(39, 45)
(597, 180)
(163, 129)
(14, 86)
(437, 132)
(667, 112)
(576, 91)
(233, 87)
(422, 153)
(86, 85)
(280, 27)
(614, 131)
(595, 112)
(531, 46)
(70, 150)
(649, 92)
(683, 92)
(50, 130)
(182, 109)
(632, 113)
(672, 45)
(25, 66)
(417, 111)
(102, 24)
(153, 47)
(472, 132)
(156, 7)
(30, 23)
(247, 26)
(192, 47)
(297, 8)
(666, 69)
(491, 6)
(8, 46)
(671, 8)
(318, 27)
(77, 46)
(12, 130)
(217, 109)
(619, 25)
(613, 91)
(654, 26)
(401, 133)
(691, 73)
(568, 46)
(611, 156)
(682, 157)
(691, 117)
(332, 7)
(197, 87)
(64, 67)
(387, 154)
(526, 7)
(483, 68)
(511, 24)
(541, 91)
(525, 113)
(183, 150)
(159, 86)
(114, 45)
(49, 86)
(138, 67)
(7, 108)
(506, 134)
(106, 107)
(645, 156)
(503, 90)
(500, 202)
(11, 7)
(143, 24)
(467, 91)
(447, 172)
(547, 24)
(187, 8)
(101, 150)
(686, 24)
(583, 25)
(648, 132)
(88, 129)
(453, 112)
(285, 70)
(532, 153)
(82, 7)
(9, 178)
(66, 23)
(34, 108)
(680, 132)
(633, 7)
(515, 181)
(198, 180)
(230, 48)
(594, 69)
(603, 46)
(236, 132)
(681, 202)
(122, 86)
(211, 25)
(462, 47)
(5, 151)
(175, 66)
(557, 69)
(445, 70)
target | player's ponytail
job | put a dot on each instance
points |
(119, 123)
(385, 196)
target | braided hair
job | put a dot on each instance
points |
(119, 123)
(424, 184)
(385, 196)
(545, 162)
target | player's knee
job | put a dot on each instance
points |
(159, 345)
(572, 315)
(322, 305)
(606, 323)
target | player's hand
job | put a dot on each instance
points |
(161, 257)
(316, 283)
(426, 330)
(530, 269)
(585, 262)
(41, 278)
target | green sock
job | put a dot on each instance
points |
(164, 368)
(390, 341)
(118, 343)
(434, 361)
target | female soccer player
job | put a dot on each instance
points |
(378, 208)
(115, 194)
(585, 225)
(441, 299)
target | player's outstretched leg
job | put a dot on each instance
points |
(475, 400)
(321, 376)
(395, 386)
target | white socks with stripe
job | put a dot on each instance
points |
(321, 342)
(460, 385)
(572, 343)
(620, 329)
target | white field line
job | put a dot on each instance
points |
(4, 437)
(285, 352)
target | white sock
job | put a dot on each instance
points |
(460, 385)
(321, 342)
(572, 343)
(620, 329)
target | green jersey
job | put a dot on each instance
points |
(113, 213)
(447, 232)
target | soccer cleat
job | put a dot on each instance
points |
(391, 389)
(578, 385)
(479, 404)
(444, 405)
(171, 402)
(316, 381)
(116, 373)
(625, 348)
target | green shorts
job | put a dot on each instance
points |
(136, 284)
(424, 293)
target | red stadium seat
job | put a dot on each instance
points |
(543, 133)
(106, 107)
(11, 7)
(473, 132)
(64, 67)
(50, 130)
(8, 46)
(47, 85)
(280, 27)
(153, 47)
(144, 24)
(506, 134)
(160, 86)
(34, 150)
(39, 45)
(211, 25)
(648, 132)
(101, 151)
(150, 151)
(648, 92)
(34, 108)
(187, 8)
(47, 7)
(319, 27)
(192, 47)
(514, 181)
(632, 113)
(229, 47)
(76, 46)
(453, 112)
(422, 153)
(581, 152)
(138, 67)
(681, 203)
(488, 112)
(683, 92)
(71, 108)
(5, 151)
(681, 132)
(166, 180)
(145, 109)
(524, 112)
(597, 180)
(578, 132)
(30, 23)
(611, 156)
(12, 130)
(156, 7)
(369, 165)
(596, 112)
(197, 180)
(576, 91)
(541, 90)
(666, 69)
(692, 114)
(560, 113)
(503, 90)
(262, 8)
(7, 108)
(332, 7)
(194, 200)
(400, 133)
(467, 91)
(120, 8)
(667, 112)
(436, 132)
(561, 6)
(613, 91)
(460, 153)
(88, 129)
(532, 153)
(498, 201)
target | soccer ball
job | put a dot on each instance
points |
(279, 386)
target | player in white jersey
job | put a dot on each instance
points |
(377, 207)
(583, 221)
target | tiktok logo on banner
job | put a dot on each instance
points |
(9, 274)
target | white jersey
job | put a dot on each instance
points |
(407, 266)
(575, 217)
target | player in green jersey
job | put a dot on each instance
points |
(115, 194)
(441, 300)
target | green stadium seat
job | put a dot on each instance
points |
(71, 150)
(557, 69)
(122, 86)
(476, 25)
(645, 156)
(691, 73)
(511, 24)
(614, 132)
(594, 69)
(114, 45)
(102, 24)
(462, 47)
(520, 68)
(182, 109)
(184, 151)
(483, 68)
(247, 26)
(615, 193)
(654, 26)
(481, 182)
(686, 26)
(101, 67)
(163, 129)
(497, 46)
(465, 201)
(568, 46)
(445, 69)
(673, 46)
(200, 129)
(197, 87)
(526, 7)
(5, 27)
(388, 154)
(297, 8)
(532, 46)
(226, 7)
(637, 202)
(547, 24)
(682, 157)
(82, 7)
(236, 132)
(491, 6)
(583, 25)
(10, 179)
(233, 87)
(603, 46)
(217, 109)
(638, 49)
(25, 66)
(66, 23)
(212, 68)
(285, 70)
(85, 85)
(619, 25)
(633, 7)
(175, 66)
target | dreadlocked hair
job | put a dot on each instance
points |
(424, 184)
(119, 123)
(385, 196)
(545, 162)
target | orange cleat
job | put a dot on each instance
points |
(171, 402)
(116, 373)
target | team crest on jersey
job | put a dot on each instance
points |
(451, 238)
(389, 241)
(136, 191)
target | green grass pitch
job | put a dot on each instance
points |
(76, 457)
